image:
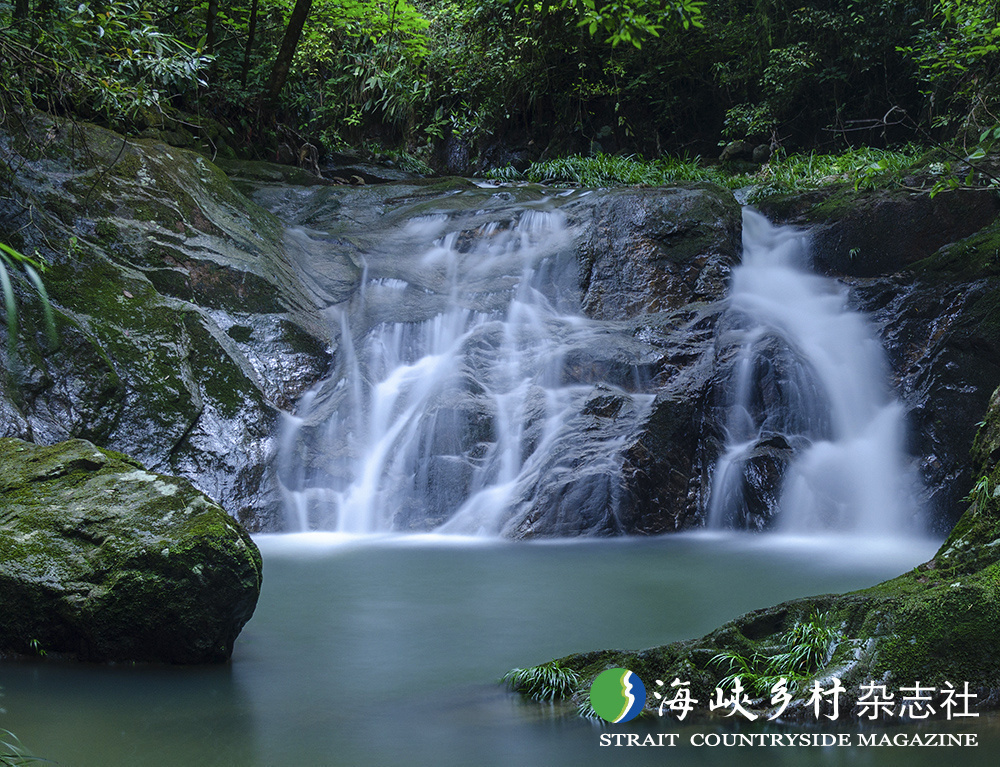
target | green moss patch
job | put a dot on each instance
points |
(102, 560)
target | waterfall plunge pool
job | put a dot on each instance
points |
(385, 651)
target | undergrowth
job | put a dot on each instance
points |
(864, 168)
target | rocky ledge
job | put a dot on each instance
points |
(101, 560)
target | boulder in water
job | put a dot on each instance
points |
(102, 560)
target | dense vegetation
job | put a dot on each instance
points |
(509, 82)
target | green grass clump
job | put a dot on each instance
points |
(546, 682)
(602, 170)
(12, 752)
(803, 649)
(864, 168)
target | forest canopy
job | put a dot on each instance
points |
(498, 77)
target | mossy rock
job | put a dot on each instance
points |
(986, 448)
(101, 560)
(152, 256)
(869, 233)
(973, 257)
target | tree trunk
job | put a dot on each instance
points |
(210, 17)
(288, 45)
(246, 51)
(20, 9)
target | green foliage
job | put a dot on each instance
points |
(11, 259)
(599, 170)
(864, 168)
(802, 650)
(546, 682)
(980, 494)
(601, 77)
(625, 22)
(12, 753)
(111, 60)
(958, 55)
(363, 60)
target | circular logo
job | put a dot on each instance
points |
(617, 695)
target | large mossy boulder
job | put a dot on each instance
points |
(102, 560)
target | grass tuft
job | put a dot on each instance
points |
(12, 753)
(546, 682)
(804, 648)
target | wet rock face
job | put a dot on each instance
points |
(185, 314)
(867, 234)
(941, 340)
(752, 502)
(652, 251)
(646, 363)
(102, 560)
(661, 259)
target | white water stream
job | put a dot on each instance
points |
(455, 419)
(471, 397)
(809, 391)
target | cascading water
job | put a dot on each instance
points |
(459, 402)
(814, 441)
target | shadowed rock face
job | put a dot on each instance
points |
(101, 560)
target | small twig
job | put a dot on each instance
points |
(105, 172)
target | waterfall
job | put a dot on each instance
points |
(463, 392)
(813, 439)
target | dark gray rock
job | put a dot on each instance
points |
(866, 234)
(649, 251)
(101, 560)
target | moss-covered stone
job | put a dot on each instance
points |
(986, 447)
(102, 560)
(868, 233)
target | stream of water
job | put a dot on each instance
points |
(813, 434)
(453, 405)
